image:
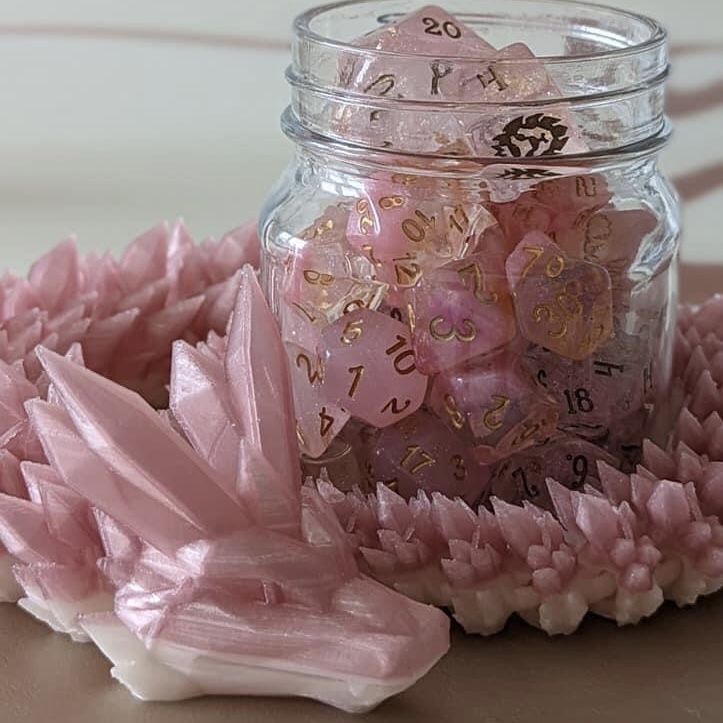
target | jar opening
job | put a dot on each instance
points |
(600, 31)
(589, 78)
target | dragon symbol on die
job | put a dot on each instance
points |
(531, 136)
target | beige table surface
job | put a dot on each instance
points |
(666, 670)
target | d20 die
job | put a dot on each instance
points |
(571, 462)
(596, 391)
(562, 304)
(461, 311)
(429, 32)
(317, 421)
(495, 405)
(421, 453)
(370, 369)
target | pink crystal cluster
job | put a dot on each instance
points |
(181, 542)
(444, 341)
(619, 550)
(126, 314)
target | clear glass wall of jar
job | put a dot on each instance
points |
(473, 254)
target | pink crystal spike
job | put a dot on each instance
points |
(105, 337)
(123, 431)
(258, 379)
(25, 535)
(56, 276)
(145, 258)
(272, 501)
(11, 480)
(84, 472)
(200, 404)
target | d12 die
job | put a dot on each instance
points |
(562, 304)
(370, 369)
(571, 462)
(461, 311)
(421, 453)
(495, 405)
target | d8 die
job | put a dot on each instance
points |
(317, 422)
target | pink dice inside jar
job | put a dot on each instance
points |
(472, 256)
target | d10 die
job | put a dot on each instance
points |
(571, 462)
(421, 453)
(317, 422)
(562, 304)
(496, 406)
(461, 311)
(370, 369)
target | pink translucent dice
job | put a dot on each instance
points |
(370, 369)
(450, 320)
(317, 422)
(569, 461)
(462, 310)
(421, 453)
(562, 303)
(496, 405)
(593, 393)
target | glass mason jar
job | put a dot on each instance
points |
(473, 253)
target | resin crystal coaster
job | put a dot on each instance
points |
(184, 544)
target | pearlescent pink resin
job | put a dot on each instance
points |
(215, 540)
(370, 369)
(618, 551)
(562, 303)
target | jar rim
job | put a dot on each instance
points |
(658, 36)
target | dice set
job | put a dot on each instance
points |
(470, 339)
